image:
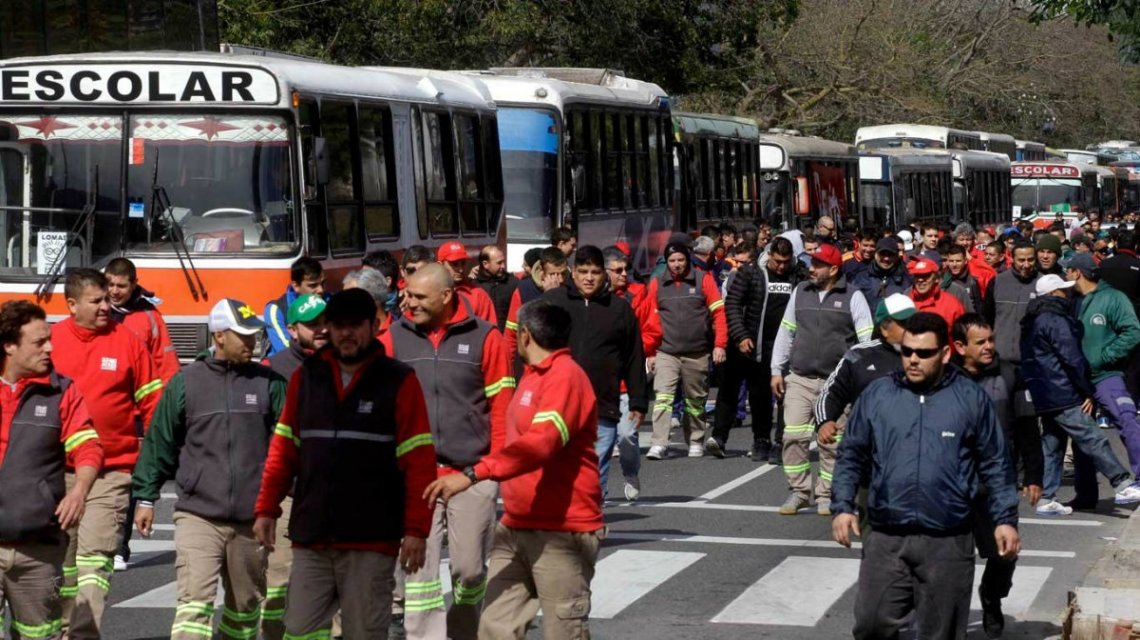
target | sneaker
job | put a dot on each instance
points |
(1053, 508)
(696, 451)
(793, 504)
(657, 452)
(823, 506)
(993, 622)
(674, 423)
(760, 451)
(1129, 494)
(713, 447)
(632, 490)
(120, 563)
(776, 455)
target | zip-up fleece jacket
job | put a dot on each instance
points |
(685, 308)
(481, 304)
(746, 302)
(467, 384)
(211, 434)
(818, 327)
(606, 342)
(140, 314)
(44, 426)
(1122, 271)
(276, 327)
(361, 453)
(863, 364)
(1005, 304)
(116, 375)
(636, 294)
(925, 453)
(877, 284)
(501, 289)
(965, 288)
(1052, 364)
(1022, 437)
(284, 363)
(548, 472)
(1111, 331)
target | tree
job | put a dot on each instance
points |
(1121, 17)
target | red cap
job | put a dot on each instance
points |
(828, 254)
(922, 266)
(451, 252)
(624, 248)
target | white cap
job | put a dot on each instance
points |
(234, 315)
(907, 238)
(1049, 283)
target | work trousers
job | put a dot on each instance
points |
(929, 575)
(30, 574)
(800, 393)
(468, 521)
(549, 569)
(1073, 423)
(1113, 397)
(359, 583)
(691, 371)
(89, 563)
(280, 563)
(207, 549)
(743, 372)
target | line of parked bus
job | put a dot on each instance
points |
(210, 169)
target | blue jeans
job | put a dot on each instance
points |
(1074, 423)
(623, 433)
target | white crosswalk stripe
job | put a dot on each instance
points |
(770, 600)
(1027, 582)
(626, 575)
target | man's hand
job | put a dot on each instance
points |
(70, 509)
(1008, 542)
(265, 530)
(551, 281)
(827, 432)
(841, 527)
(446, 487)
(778, 387)
(144, 520)
(412, 553)
(745, 346)
(1087, 406)
(719, 355)
(635, 418)
(1032, 492)
(651, 364)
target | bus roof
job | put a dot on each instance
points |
(1082, 156)
(163, 72)
(716, 125)
(539, 86)
(996, 137)
(916, 131)
(787, 148)
(876, 165)
(1030, 144)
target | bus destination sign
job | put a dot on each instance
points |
(136, 84)
(1044, 171)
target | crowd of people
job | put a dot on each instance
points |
(940, 371)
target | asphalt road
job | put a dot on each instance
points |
(704, 555)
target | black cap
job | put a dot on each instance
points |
(683, 248)
(353, 305)
(890, 244)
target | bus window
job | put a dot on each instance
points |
(378, 172)
(439, 174)
(596, 133)
(626, 142)
(529, 157)
(654, 161)
(612, 176)
(345, 233)
(318, 243)
(492, 172)
(471, 211)
(641, 151)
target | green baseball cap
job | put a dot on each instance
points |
(896, 306)
(306, 308)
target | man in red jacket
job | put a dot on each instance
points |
(44, 425)
(137, 309)
(116, 375)
(930, 297)
(547, 542)
(354, 435)
(453, 256)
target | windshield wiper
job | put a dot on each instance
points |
(48, 282)
(160, 201)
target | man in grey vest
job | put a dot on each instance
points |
(461, 361)
(211, 433)
(824, 318)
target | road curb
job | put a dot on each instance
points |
(1106, 606)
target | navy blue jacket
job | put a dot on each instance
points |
(877, 284)
(1052, 364)
(923, 455)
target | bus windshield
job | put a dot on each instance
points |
(1041, 194)
(227, 182)
(901, 143)
(775, 202)
(876, 200)
(528, 139)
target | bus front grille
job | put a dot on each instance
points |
(189, 339)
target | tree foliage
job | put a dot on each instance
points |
(1121, 17)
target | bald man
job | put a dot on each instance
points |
(461, 360)
(492, 276)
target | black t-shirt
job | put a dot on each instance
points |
(779, 292)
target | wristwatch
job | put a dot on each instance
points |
(470, 473)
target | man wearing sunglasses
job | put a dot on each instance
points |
(926, 437)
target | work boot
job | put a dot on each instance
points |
(714, 447)
(793, 504)
(776, 455)
(761, 449)
(993, 622)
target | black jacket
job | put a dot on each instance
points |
(1022, 437)
(1052, 364)
(925, 455)
(500, 289)
(1122, 271)
(605, 340)
(746, 301)
(863, 364)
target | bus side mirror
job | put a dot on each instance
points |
(321, 160)
(803, 197)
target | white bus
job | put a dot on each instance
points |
(1082, 156)
(716, 167)
(919, 136)
(981, 187)
(588, 148)
(803, 178)
(1029, 151)
(1044, 191)
(214, 171)
(999, 143)
(901, 187)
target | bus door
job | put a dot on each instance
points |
(15, 192)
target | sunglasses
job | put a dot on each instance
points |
(925, 354)
(618, 271)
